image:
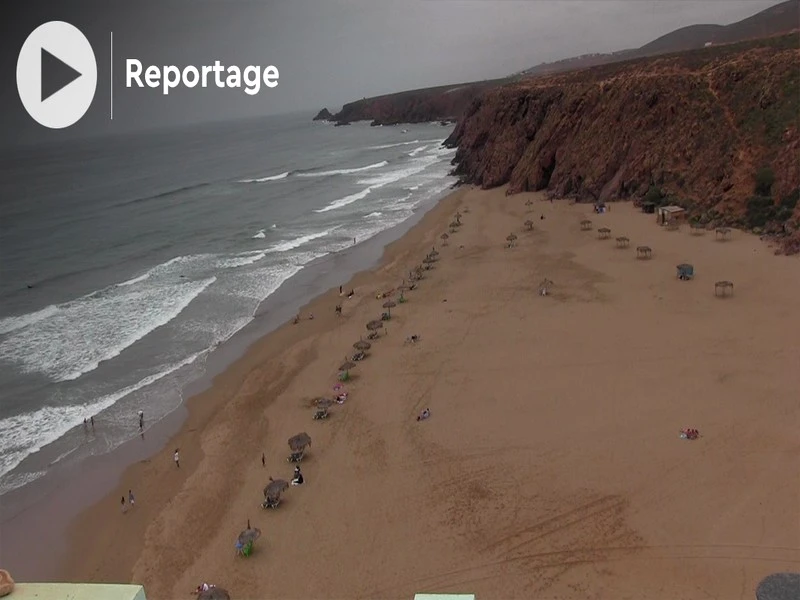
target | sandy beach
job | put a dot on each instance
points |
(551, 465)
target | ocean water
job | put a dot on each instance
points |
(127, 260)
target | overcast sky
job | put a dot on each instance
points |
(332, 51)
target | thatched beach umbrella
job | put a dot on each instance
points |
(444, 237)
(253, 533)
(325, 403)
(274, 488)
(389, 305)
(346, 366)
(299, 441)
(434, 253)
(362, 345)
(374, 325)
(428, 260)
(454, 225)
(214, 593)
(510, 238)
(529, 225)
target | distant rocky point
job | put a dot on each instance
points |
(324, 115)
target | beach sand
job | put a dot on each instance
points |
(551, 465)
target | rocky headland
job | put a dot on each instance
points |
(323, 115)
(715, 130)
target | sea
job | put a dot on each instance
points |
(127, 260)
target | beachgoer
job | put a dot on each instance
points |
(141, 420)
(263, 460)
(91, 420)
(298, 477)
(296, 319)
(124, 508)
(424, 414)
(340, 290)
(131, 499)
(351, 294)
(177, 458)
(85, 423)
(310, 316)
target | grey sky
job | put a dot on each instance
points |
(333, 51)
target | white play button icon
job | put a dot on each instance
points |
(56, 74)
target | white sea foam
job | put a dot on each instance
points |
(80, 334)
(373, 215)
(10, 324)
(299, 241)
(377, 165)
(417, 165)
(345, 201)
(416, 151)
(265, 179)
(260, 235)
(24, 434)
(395, 145)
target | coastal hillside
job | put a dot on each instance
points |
(445, 102)
(775, 20)
(715, 130)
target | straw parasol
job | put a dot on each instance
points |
(454, 225)
(324, 403)
(362, 345)
(299, 441)
(434, 253)
(374, 325)
(529, 225)
(444, 238)
(274, 489)
(510, 239)
(346, 366)
(250, 535)
(214, 593)
(389, 305)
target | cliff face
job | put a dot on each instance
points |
(416, 106)
(715, 130)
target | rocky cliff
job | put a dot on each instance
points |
(323, 115)
(715, 130)
(415, 106)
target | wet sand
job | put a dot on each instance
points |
(551, 465)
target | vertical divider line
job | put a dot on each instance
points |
(111, 67)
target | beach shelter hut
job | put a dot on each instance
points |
(246, 539)
(603, 233)
(214, 593)
(644, 252)
(685, 271)
(722, 288)
(648, 208)
(586, 225)
(723, 233)
(623, 241)
(273, 491)
(670, 214)
(298, 444)
(362, 346)
(779, 586)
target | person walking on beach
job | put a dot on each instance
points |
(177, 458)
(141, 420)
(263, 460)
(124, 508)
(131, 499)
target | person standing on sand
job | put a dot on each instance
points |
(141, 420)
(124, 508)
(340, 290)
(177, 458)
(131, 499)
(91, 420)
(263, 460)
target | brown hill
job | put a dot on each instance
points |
(775, 20)
(416, 106)
(715, 130)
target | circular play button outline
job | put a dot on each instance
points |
(67, 45)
